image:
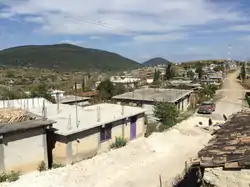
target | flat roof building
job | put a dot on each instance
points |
(82, 132)
(154, 94)
(74, 100)
(147, 97)
(78, 132)
(23, 140)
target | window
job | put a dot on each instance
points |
(106, 132)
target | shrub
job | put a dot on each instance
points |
(119, 142)
(56, 165)
(166, 113)
(9, 177)
(42, 167)
(162, 128)
(151, 127)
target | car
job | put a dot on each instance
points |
(206, 107)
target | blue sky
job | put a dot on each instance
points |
(178, 30)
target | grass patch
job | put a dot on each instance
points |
(119, 142)
(151, 127)
(10, 177)
(56, 165)
(42, 167)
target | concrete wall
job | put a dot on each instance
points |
(183, 104)
(24, 150)
(86, 144)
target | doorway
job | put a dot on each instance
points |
(133, 127)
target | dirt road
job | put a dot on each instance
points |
(140, 163)
(231, 102)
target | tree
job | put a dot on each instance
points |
(218, 68)
(169, 73)
(207, 92)
(42, 91)
(243, 72)
(190, 74)
(166, 113)
(199, 70)
(13, 93)
(106, 90)
(119, 89)
(186, 67)
(156, 75)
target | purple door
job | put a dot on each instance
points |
(133, 128)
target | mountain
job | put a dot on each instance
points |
(156, 61)
(65, 57)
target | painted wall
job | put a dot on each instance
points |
(60, 153)
(87, 144)
(24, 150)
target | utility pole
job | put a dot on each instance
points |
(77, 122)
(228, 58)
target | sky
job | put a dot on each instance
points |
(178, 30)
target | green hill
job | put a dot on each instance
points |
(65, 57)
(156, 61)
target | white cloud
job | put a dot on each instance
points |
(160, 38)
(244, 27)
(118, 17)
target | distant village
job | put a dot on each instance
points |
(74, 128)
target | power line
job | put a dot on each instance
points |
(94, 22)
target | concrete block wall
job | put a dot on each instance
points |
(60, 153)
(85, 147)
(86, 144)
(23, 150)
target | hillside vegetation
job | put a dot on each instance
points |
(65, 57)
(156, 61)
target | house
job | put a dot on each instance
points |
(127, 81)
(79, 132)
(23, 140)
(57, 93)
(90, 94)
(82, 133)
(149, 81)
(72, 100)
(146, 98)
